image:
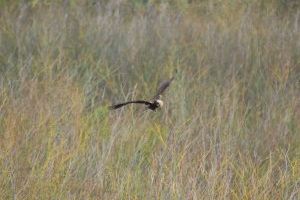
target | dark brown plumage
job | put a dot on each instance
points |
(154, 103)
(162, 87)
(129, 102)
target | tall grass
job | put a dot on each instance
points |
(230, 126)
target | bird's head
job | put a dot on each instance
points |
(160, 102)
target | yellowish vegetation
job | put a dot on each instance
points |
(231, 121)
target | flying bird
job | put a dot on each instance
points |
(153, 104)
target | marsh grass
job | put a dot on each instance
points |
(230, 126)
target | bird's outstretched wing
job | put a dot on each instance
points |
(162, 87)
(113, 107)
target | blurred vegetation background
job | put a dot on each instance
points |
(231, 121)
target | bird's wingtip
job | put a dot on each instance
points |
(111, 108)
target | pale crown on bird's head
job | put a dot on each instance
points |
(160, 102)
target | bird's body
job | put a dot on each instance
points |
(153, 104)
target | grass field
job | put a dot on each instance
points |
(230, 127)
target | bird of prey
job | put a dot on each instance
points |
(153, 104)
